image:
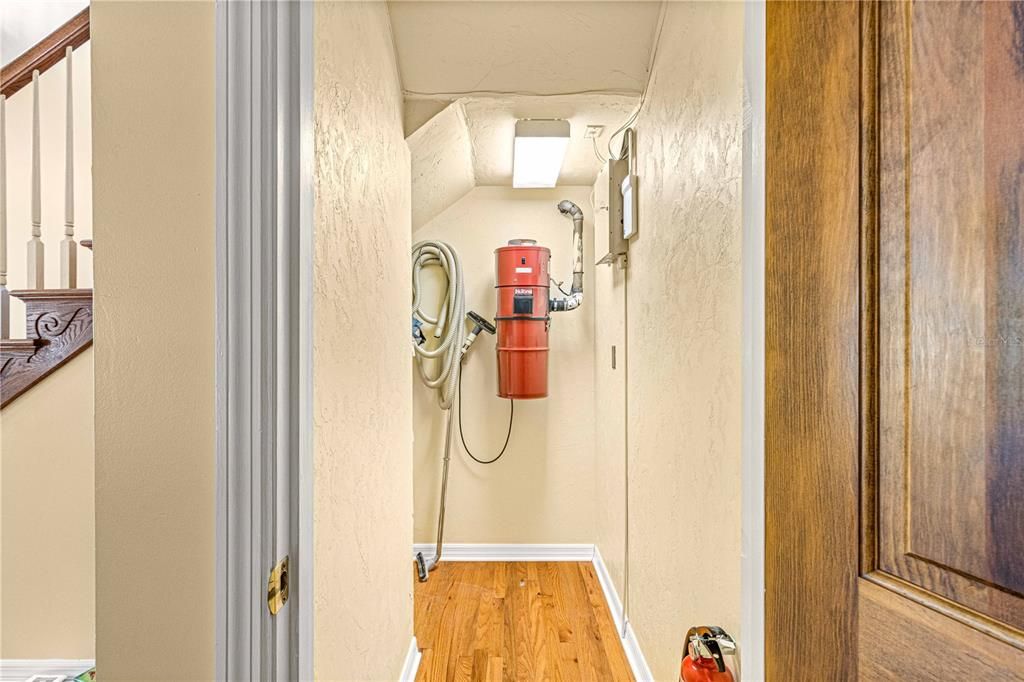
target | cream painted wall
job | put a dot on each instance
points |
(684, 331)
(609, 405)
(542, 490)
(362, 525)
(46, 512)
(52, 114)
(153, 183)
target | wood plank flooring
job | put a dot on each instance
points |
(523, 621)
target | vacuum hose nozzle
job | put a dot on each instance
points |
(479, 324)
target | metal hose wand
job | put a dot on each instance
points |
(440, 367)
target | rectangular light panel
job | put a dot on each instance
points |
(540, 147)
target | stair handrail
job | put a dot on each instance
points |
(49, 51)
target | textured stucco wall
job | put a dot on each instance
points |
(46, 511)
(684, 326)
(542, 490)
(153, 198)
(362, 524)
(52, 84)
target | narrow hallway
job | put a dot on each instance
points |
(532, 620)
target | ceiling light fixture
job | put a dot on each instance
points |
(540, 147)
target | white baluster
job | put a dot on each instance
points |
(35, 245)
(5, 296)
(68, 248)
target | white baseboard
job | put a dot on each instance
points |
(484, 552)
(21, 669)
(610, 594)
(637, 662)
(412, 662)
(630, 644)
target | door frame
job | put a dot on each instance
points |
(813, 353)
(752, 486)
(264, 197)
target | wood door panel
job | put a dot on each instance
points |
(950, 301)
(894, 341)
(894, 633)
(1004, 341)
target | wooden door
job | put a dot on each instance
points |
(895, 341)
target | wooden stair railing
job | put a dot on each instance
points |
(44, 54)
(58, 323)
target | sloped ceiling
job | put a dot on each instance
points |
(523, 47)
(441, 163)
(471, 69)
(469, 144)
(492, 121)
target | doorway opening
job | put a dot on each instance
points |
(577, 331)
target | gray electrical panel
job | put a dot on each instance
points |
(618, 170)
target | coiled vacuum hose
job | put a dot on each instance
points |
(449, 325)
(450, 328)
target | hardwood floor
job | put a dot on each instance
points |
(495, 621)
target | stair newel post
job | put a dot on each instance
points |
(68, 248)
(5, 296)
(35, 244)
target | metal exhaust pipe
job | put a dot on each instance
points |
(575, 298)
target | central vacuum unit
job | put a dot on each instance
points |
(522, 282)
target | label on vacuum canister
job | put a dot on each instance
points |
(522, 302)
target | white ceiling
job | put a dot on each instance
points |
(491, 123)
(23, 23)
(469, 144)
(523, 47)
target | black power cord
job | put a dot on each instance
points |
(511, 414)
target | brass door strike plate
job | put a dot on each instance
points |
(277, 587)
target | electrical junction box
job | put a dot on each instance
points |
(622, 213)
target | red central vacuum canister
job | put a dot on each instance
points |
(522, 282)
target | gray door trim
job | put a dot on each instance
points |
(752, 572)
(304, 481)
(264, 322)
